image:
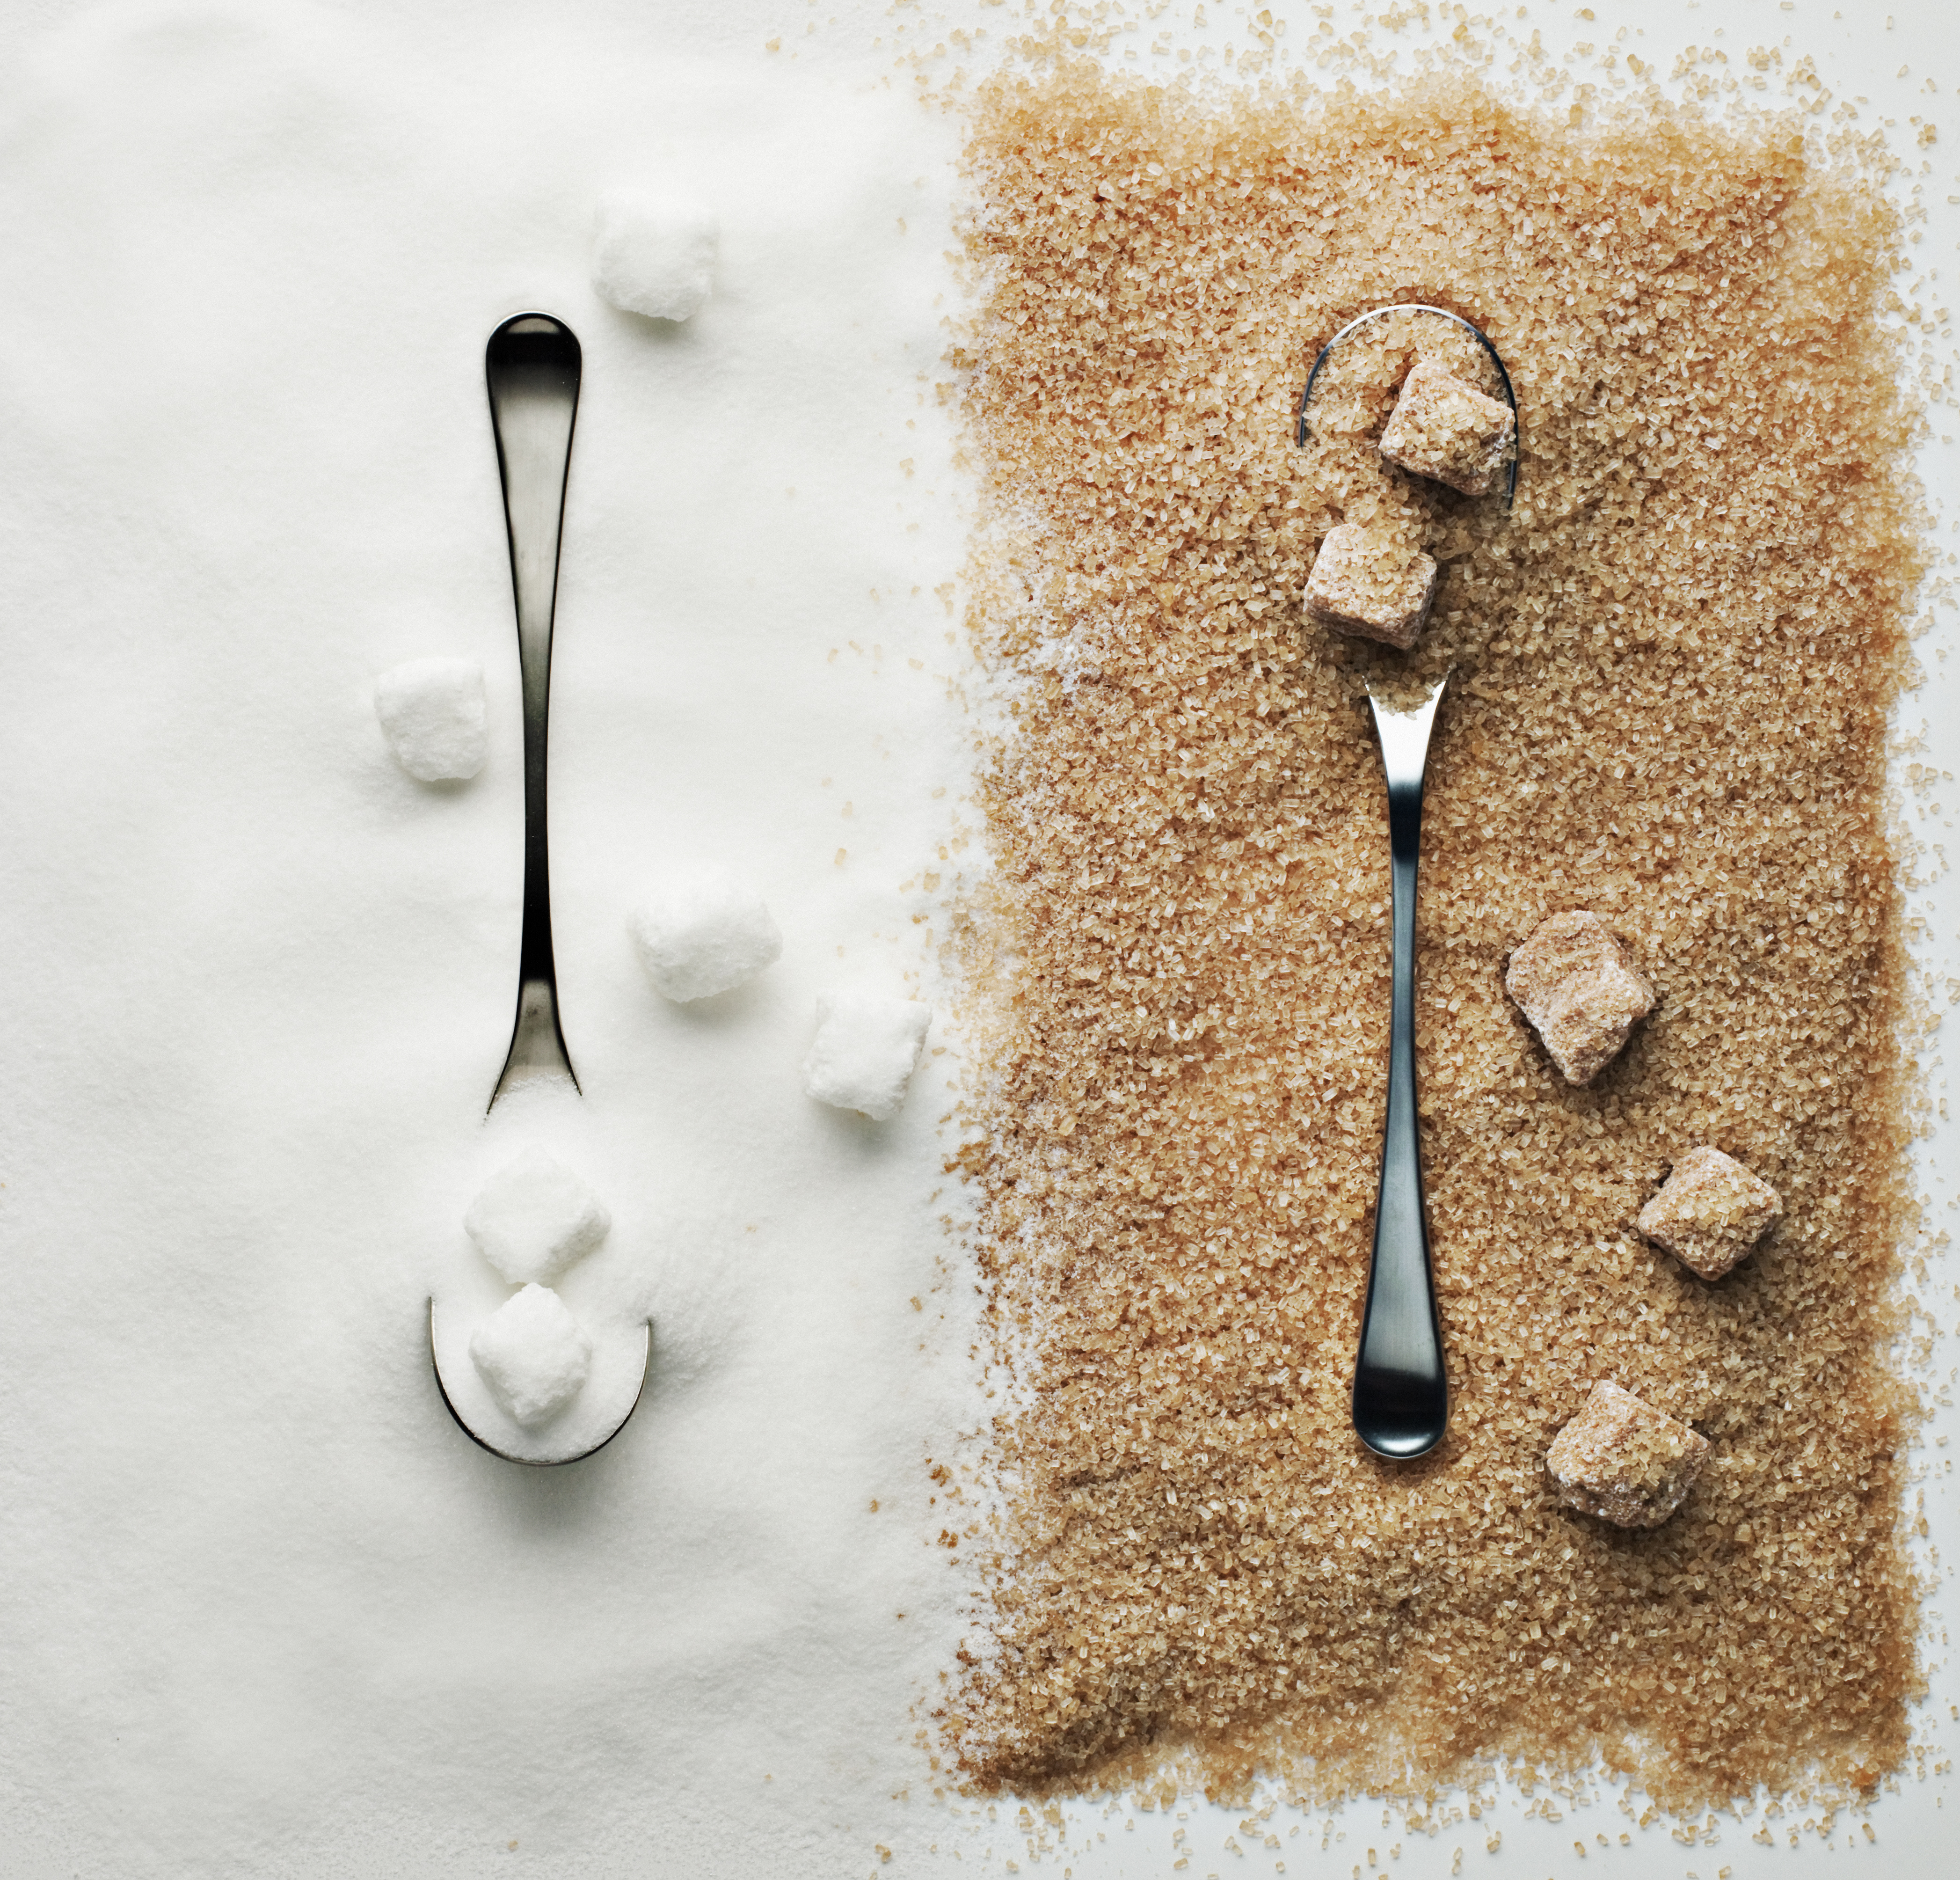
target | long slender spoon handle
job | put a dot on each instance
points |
(532, 364)
(1401, 1397)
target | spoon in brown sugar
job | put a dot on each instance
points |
(1401, 1397)
(1402, 1393)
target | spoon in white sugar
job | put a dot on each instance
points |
(533, 366)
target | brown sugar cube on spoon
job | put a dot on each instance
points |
(1625, 1460)
(1371, 582)
(1710, 1212)
(1444, 429)
(1575, 980)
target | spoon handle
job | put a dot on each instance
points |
(532, 365)
(1401, 1402)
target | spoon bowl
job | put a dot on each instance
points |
(593, 1418)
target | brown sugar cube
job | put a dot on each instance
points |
(1372, 583)
(1625, 1460)
(1710, 1212)
(1443, 429)
(1575, 980)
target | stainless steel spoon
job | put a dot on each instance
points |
(1402, 1393)
(533, 366)
(1401, 1397)
(533, 363)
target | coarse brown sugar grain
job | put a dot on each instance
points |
(1445, 429)
(1710, 1212)
(1578, 982)
(1372, 582)
(1674, 659)
(1625, 1460)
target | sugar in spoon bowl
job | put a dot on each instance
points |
(533, 366)
(534, 1450)
(1401, 1397)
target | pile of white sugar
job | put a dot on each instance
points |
(268, 1608)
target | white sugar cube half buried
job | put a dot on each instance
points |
(867, 1047)
(431, 711)
(653, 253)
(703, 933)
(533, 1355)
(534, 1217)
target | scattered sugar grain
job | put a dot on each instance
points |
(654, 252)
(432, 712)
(534, 1356)
(704, 933)
(866, 1049)
(534, 1218)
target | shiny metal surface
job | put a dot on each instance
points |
(1401, 1397)
(532, 365)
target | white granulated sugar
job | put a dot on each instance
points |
(866, 1049)
(534, 1217)
(532, 1354)
(432, 711)
(704, 933)
(267, 1608)
(653, 253)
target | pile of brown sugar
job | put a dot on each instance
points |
(1673, 663)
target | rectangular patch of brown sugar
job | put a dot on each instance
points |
(1674, 668)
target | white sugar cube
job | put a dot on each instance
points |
(432, 711)
(867, 1047)
(534, 1217)
(655, 254)
(533, 1354)
(704, 933)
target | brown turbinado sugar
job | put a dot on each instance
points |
(1371, 582)
(1623, 1461)
(1444, 428)
(1710, 1212)
(1578, 982)
(1673, 663)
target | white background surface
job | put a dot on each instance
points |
(262, 1609)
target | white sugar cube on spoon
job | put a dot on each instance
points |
(533, 1355)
